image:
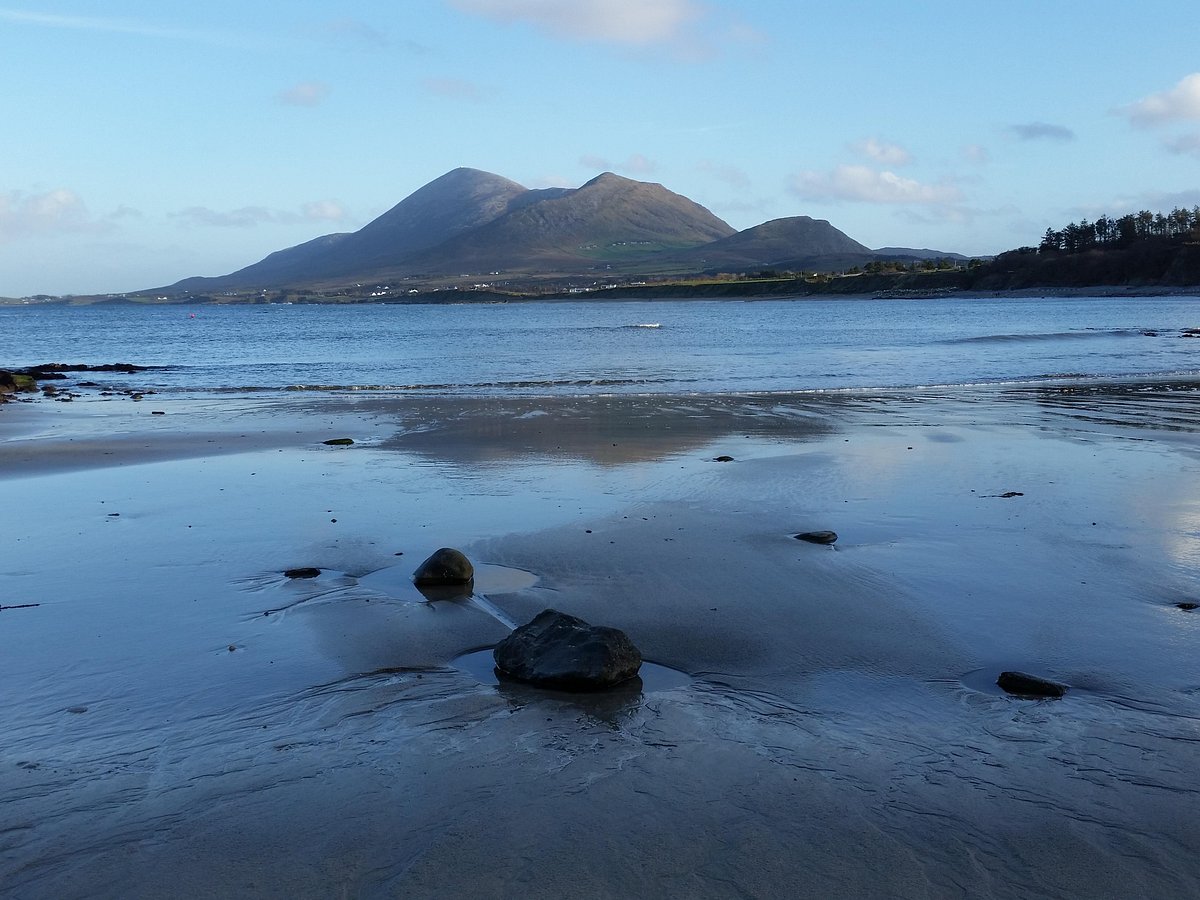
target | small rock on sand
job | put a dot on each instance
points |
(818, 537)
(1030, 685)
(560, 651)
(303, 572)
(445, 566)
(338, 442)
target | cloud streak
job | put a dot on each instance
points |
(863, 184)
(1041, 131)
(456, 89)
(306, 93)
(109, 25)
(633, 22)
(637, 164)
(252, 216)
(1184, 145)
(1180, 103)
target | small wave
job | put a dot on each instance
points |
(480, 385)
(1046, 336)
(644, 325)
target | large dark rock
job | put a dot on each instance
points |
(560, 651)
(1029, 685)
(445, 566)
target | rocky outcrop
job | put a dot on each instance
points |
(445, 566)
(14, 382)
(560, 651)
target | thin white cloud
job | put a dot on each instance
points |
(353, 32)
(251, 216)
(457, 89)
(730, 175)
(111, 25)
(976, 153)
(125, 212)
(1180, 103)
(635, 22)
(1041, 131)
(862, 184)
(24, 215)
(883, 152)
(637, 164)
(306, 93)
(1161, 200)
(1184, 144)
(324, 211)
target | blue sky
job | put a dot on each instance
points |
(147, 142)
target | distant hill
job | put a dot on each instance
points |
(909, 253)
(795, 243)
(470, 223)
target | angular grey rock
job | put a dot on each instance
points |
(1030, 685)
(445, 566)
(560, 651)
(818, 537)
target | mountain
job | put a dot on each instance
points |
(795, 243)
(457, 202)
(609, 218)
(469, 221)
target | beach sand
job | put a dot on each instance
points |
(181, 719)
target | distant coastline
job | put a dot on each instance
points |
(928, 287)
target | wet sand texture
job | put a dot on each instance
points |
(181, 718)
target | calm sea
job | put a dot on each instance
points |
(616, 347)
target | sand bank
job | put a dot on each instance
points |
(182, 719)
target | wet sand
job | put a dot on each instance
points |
(181, 719)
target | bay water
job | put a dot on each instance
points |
(589, 348)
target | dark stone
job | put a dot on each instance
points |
(445, 566)
(560, 651)
(54, 370)
(722, 459)
(303, 572)
(43, 375)
(1187, 606)
(339, 442)
(1009, 494)
(818, 537)
(1030, 685)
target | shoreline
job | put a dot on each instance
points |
(183, 717)
(667, 293)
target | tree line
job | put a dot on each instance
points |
(1118, 233)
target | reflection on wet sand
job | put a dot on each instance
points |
(606, 431)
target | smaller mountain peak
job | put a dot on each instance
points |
(610, 178)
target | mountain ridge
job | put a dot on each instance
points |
(472, 221)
